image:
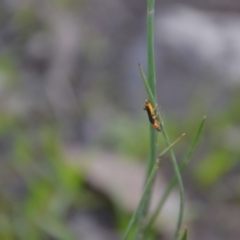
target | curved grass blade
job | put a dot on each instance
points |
(146, 189)
(174, 179)
(140, 205)
(173, 158)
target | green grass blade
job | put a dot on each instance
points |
(140, 205)
(148, 185)
(185, 234)
(170, 146)
(173, 158)
(174, 179)
(150, 47)
(193, 145)
(153, 134)
(145, 81)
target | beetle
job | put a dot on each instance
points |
(152, 115)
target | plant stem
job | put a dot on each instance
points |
(173, 158)
(142, 200)
(174, 179)
(152, 85)
(151, 79)
(181, 189)
(150, 39)
(146, 189)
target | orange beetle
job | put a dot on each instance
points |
(152, 115)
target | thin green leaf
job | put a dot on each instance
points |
(174, 179)
(185, 234)
(140, 205)
(170, 146)
(145, 81)
(173, 158)
(153, 134)
(193, 145)
(148, 185)
(150, 46)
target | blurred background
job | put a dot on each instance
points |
(73, 134)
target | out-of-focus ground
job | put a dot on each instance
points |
(73, 133)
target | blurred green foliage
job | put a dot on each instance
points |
(38, 186)
(119, 133)
(221, 144)
(8, 71)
